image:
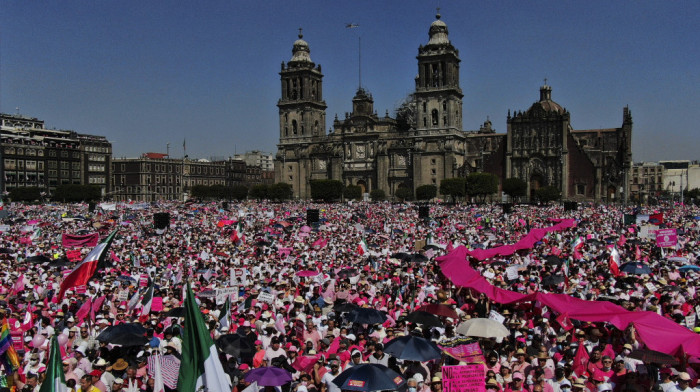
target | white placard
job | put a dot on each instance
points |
(512, 272)
(123, 295)
(690, 321)
(489, 275)
(494, 315)
(238, 277)
(266, 297)
(650, 286)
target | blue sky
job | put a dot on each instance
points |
(148, 73)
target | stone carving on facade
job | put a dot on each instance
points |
(360, 151)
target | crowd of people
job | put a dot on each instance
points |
(313, 276)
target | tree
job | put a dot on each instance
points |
(454, 187)
(404, 193)
(326, 190)
(481, 185)
(75, 193)
(377, 195)
(426, 192)
(280, 191)
(239, 192)
(353, 192)
(547, 194)
(28, 193)
(692, 196)
(259, 192)
(199, 191)
(514, 187)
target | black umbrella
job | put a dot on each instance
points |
(345, 307)
(552, 280)
(401, 256)
(499, 263)
(369, 377)
(347, 273)
(366, 316)
(38, 259)
(413, 348)
(635, 268)
(418, 258)
(651, 356)
(6, 250)
(236, 345)
(176, 312)
(553, 260)
(425, 318)
(128, 334)
(58, 263)
(431, 246)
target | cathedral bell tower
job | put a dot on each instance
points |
(438, 95)
(301, 107)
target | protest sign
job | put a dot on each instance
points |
(238, 277)
(666, 238)
(494, 315)
(266, 297)
(690, 321)
(123, 295)
(512, 272)
(223, 292)
(157, 304)
(463, 349)
(463, 378)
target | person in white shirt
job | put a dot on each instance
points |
(683, 383)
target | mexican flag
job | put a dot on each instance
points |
(86, 269)
(147, 301)
(238, 235)
(362, 249)
(225, 319)
(55, 378)
(200, 368)
(36, 234)
(578, 244)
(615, 262)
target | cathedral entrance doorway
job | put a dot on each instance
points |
(536, 182)
(363, 185)
(610, 194)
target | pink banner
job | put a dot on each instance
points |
(77, 241)
(157, 304)
(666, 238)
(657, 332)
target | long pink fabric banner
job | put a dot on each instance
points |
(657, 332)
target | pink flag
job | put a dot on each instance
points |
(83, 311)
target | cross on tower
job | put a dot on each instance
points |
(300, 34)
(545, 81)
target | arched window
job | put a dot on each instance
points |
(434, 115)
(425, 122)
(316, 128)
(294, 127)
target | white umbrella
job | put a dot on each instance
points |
(483, 327)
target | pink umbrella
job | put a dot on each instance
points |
(305, 229)
(307, 273)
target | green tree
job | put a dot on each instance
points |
(514, 187)
(75, 193)
(199, 191)
(353, 192)
(326, 190)
(280, 191)
(547, 194)
(481, 185)
(239, 192)
(377, 195)
(259, 192)
(404, 193)
(426, 192)
(454, 187)
(29, 193)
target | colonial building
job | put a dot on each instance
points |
(426, 143)
(155, 176)
(33, 156)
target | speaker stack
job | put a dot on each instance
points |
(161, 220)
(312, 216)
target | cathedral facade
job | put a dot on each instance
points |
(426, 144)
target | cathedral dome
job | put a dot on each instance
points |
(545, 103)
(438, 32)
(300, 50)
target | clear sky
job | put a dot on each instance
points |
(148, 73)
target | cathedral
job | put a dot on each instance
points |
(425, 143)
